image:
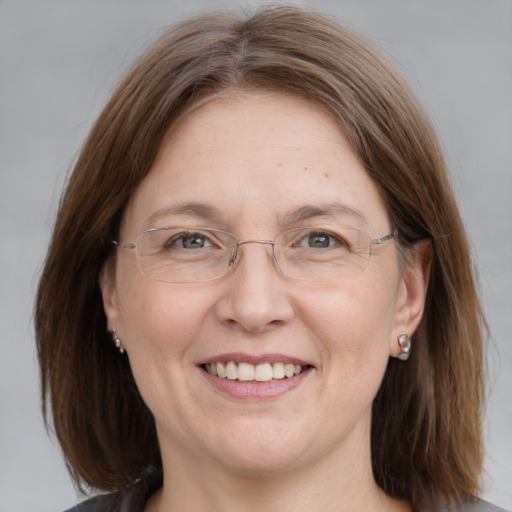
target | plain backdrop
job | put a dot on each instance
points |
(59, 61)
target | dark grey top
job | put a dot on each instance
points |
(135, 498)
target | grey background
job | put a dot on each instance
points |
(59, 62)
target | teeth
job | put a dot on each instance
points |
(221, 371)
(248, 372)
(263, 372)
(245, 371)
(289, 370)
(231, 371)
(278, 370)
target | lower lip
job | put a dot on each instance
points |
(254, 391)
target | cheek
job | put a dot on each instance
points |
(161, 328)
(352, 323)
(354, 314)
(160, 320)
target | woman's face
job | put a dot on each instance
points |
(255, 165)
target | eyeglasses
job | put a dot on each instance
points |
(191, 255)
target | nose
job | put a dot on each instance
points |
(257, 296)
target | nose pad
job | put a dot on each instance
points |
(233, 259)
(236, 255)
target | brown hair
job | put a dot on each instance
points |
(426, 433)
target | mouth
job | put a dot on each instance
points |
(254, 378)
(247, 372)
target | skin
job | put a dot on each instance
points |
(255, 157)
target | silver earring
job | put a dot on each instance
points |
(405, 344)
(118, 343)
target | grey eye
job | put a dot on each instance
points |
(189, 241)
(319, 240)
(193, 242)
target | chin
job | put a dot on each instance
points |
(262, 447)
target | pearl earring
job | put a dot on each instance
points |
(118, 343)
(405, 344)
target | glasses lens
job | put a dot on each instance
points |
(318, 254)
(178, 254)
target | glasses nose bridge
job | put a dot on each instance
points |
(236, 257)
(263, 242)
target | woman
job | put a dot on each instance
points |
(258, 233)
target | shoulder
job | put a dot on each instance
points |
(133, 499)
(480, 506)
(108, 502)
(475, 505)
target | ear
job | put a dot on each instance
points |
(109, 295)
(412, 293)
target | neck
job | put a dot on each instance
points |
(333, 483)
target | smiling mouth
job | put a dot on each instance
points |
(247, 372)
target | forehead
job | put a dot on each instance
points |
(252, 157)
(263, 121)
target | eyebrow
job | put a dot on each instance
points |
(200, 210)
(294, 216)
(307, 212)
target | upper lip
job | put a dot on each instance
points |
(254, 359)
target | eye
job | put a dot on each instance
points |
(189, 241)
(320, 240)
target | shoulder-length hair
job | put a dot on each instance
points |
(426, 432)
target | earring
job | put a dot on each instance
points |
(405, 344)
(118, 343)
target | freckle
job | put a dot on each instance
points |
(326, 175)
(279, 164)
(306, 168)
